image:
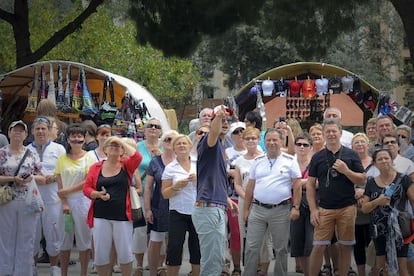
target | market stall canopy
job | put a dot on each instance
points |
(16, 86)
(353, 114)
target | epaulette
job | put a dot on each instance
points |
(288, 156)
(259, 157)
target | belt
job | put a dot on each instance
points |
(270, 206)
(209, 204)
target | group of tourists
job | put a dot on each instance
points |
(244, 196)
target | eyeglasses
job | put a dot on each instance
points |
(154, 126)
(168, 139)
(42, 119)
(402, 136)
(238, 131)
(302, 145)
(200, 132)
(250, 138)
(392, 142)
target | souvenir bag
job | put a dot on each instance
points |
(33, 94)
(108, 110)
(34, 202)
(6, 192)
(87, 101)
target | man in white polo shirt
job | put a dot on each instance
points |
(268, 202)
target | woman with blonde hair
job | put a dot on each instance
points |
(107, 185)
(251, 137)
(156, 206)
(179, 185)
(360, 144)
(316, 134)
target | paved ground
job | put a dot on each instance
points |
(43, 269)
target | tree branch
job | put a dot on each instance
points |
(60, 35)
(6, 16)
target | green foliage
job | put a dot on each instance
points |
(103, 44)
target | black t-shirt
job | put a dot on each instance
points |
(117, 187)
(380, 215)
(335, 189)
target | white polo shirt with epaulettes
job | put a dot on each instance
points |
(274, 178)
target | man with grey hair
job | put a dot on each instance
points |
(404, 135)
(335, 113)
(204, 118)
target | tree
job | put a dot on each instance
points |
(19, 20)
(103, 44)
(176, 27)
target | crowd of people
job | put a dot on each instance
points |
(244, 196)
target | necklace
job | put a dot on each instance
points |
(271, 161)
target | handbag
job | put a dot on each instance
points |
(108, 110)
(404, 217)
(136, 208)
(6, 191)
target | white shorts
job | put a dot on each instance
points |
(51, 224)
(104, 231)
(139, 240)
(158, 236)
(79, 206)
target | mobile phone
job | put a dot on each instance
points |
(25, 175)
(390, 190)
(103, 189)
(282, 119)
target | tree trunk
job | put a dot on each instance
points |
(405, 9)
(20, 23)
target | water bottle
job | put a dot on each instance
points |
(68, 223)
(390, 190)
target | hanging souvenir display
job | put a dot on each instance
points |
(68, 91)
(87, 101)
(60, 96)
(42, 82)
(77, 97)
(33, 95)
(108, 110)
(261, 107)
(51, 95)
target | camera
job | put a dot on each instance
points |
(25, 175)
(333, 172)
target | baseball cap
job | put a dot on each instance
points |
(237, 125)
(19, 122)
(219, 107)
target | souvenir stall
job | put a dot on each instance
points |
(303, 91)
(80, 92)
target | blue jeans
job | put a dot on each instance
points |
(210, 223)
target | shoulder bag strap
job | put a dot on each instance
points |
(21, 162)
(400, 204)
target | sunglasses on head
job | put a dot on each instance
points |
(42, 119)
(305, 145)
(104, 126)
(154, 126)
(237, 131)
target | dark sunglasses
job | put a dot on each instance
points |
(168, 139)
(154, 126)
(200, 132)
(237, 131)
(402, 136)
(302, 145)
(393, 142)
